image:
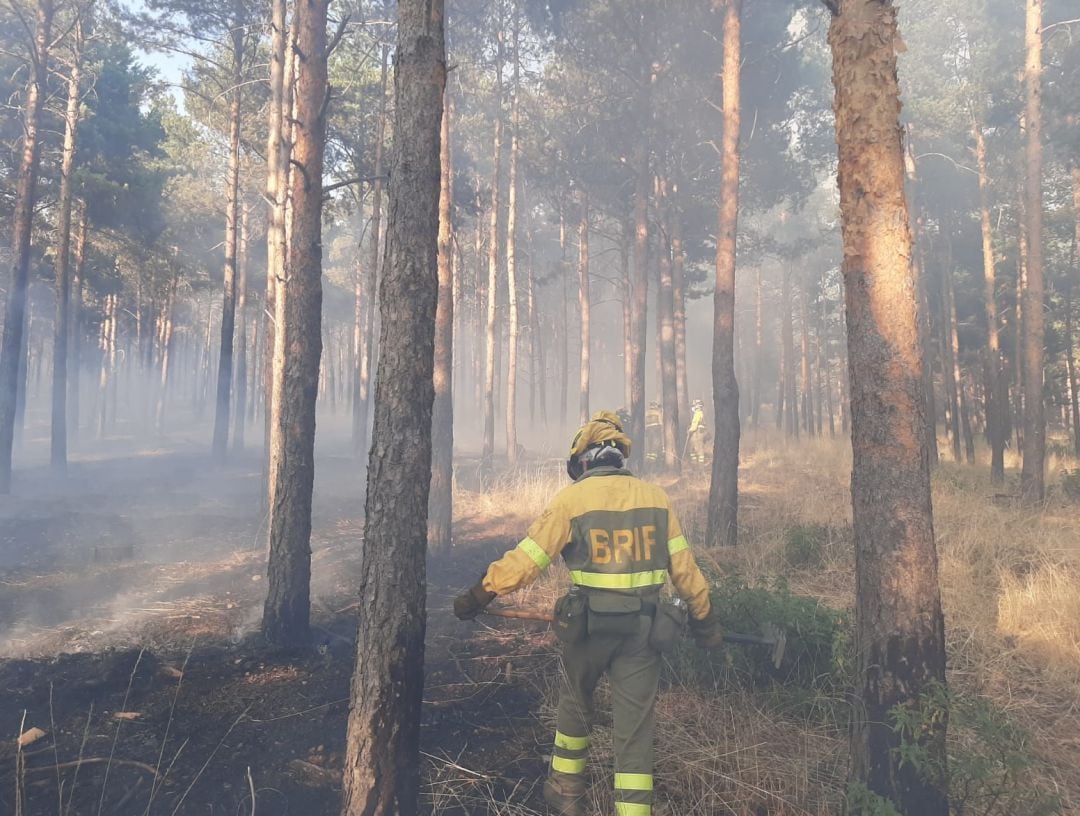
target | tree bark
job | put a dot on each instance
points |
(298, 346)
(900, 639)
(564, 334)
(62, 262)
(25, 200)
(996, 395)
(166, 354)
(950, 367)
(958, 377)
(639, 286)
(584, 304)
(807, 379)
(441, 501)
(724, 484)
(1033, 471)
(678, 282)
(382, 763)
(232, 221)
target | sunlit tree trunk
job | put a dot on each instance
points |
(584, 304)
(168, 315)
(900, 641)
(490, 335)
(511, 266)
(440, 502)
(1034, 464)
(996, 394)
(25, 200)
(62, 261)
(298, 346)
(961, 403)
(724, 484)
(382, 762)
(232, 222)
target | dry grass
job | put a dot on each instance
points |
(1009, 580)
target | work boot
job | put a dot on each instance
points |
(565, 794)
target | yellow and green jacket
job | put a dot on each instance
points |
(697, 421)
(615, 532)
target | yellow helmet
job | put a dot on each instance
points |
(603, 430)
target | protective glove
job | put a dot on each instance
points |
(706, 632)
(471, 603)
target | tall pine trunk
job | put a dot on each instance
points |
(996, 395)
(240, 417)
(441, 500)
(382, 763)
(62, 261)
(678, 282)
(900, 639)
(25, 199)
(232, 223)
(724, 485)
(511, 266)
(490, 336)
(584, 304)
(787, 379)
(298, 346)
(665, 314)
(75, 334)
(1033, 471)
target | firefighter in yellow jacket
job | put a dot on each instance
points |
(621, 541)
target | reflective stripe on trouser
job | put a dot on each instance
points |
(633, 669)
(569, 753)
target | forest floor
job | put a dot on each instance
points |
(130, 598)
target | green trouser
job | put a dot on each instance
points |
(633, 669)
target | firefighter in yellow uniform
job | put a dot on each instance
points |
(654, 433)
(621, 541)
(697, 436)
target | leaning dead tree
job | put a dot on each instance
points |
(381, 775)
(900, 631)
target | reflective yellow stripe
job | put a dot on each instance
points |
(625, 580)
(569, 766)
(571, 743)
(677, 544)
(535, 552)
(630, 809)
(632, 781)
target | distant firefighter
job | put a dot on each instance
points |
(698, 438)
(654, 433)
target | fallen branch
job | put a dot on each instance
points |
(75, 763)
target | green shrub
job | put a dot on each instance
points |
(991, 765)
(804, 545)
(818, 654)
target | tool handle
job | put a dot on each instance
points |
(749, 640)
(520, 614)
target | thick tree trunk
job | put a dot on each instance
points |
(996, 395)
(724, 484)
(382, 763)
(232, 222)
(62, 261)
(25, 200)
(490, 336)
(240, 417)
(298, 347)
(1033, 472)
(900, 639)
(511, 268)
(441, 500)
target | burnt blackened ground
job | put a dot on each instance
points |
(128, 607)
